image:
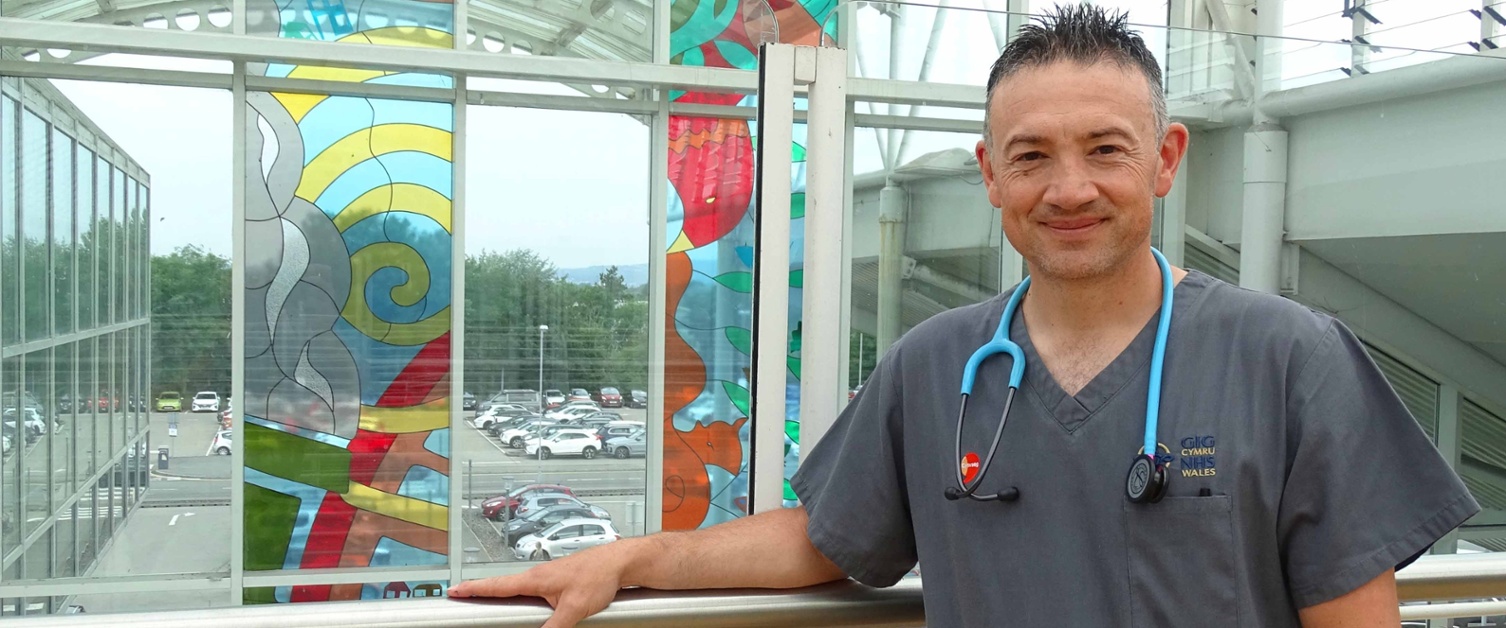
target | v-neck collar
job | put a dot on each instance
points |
(1074, 411)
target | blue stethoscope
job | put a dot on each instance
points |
(1147, 478)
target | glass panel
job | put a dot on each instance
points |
(13, 440)
(103, 249)
(35, 279)
(948, 230)
(85, 415)
(62, 231)
(38, 414)
(589, 288)
(383, 22)
(120, 253)
(1442, 25)
(63, 564)
(10, 248)
(570, 28)
(346, 407)
(120, 391)
(88, 242)
(709, 264)
(62, 424)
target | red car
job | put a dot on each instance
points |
(508, 502)
(610, 398)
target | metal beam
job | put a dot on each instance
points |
(821, 391)
(96, 37)
(771, 272)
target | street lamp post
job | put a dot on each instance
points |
(540, 475)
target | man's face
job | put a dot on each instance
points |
(1074, 164)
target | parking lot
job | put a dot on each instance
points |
(487, 467)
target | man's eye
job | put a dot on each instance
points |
(1030, 156)
(1106, 150)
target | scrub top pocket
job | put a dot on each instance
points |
(1181, 562)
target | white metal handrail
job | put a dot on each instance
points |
(1453, 586)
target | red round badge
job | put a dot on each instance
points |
(970, 467)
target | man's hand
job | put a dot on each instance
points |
(577, 586)
(720, 557)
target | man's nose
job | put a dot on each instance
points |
(1071, 186)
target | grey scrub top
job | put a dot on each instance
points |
(1297, 474)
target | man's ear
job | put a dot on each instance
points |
(1173, 149)
(986, 167)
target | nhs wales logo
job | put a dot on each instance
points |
(1197, 457)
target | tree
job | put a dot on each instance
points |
(190, 321)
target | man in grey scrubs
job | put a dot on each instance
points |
(1299, 481)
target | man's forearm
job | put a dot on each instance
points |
(769, 550)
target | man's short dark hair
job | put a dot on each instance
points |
(1085, 34)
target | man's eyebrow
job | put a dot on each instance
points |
(1024, 138)
(1109, 132)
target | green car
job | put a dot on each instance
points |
(169, 402)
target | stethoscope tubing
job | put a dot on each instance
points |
(1001, 343)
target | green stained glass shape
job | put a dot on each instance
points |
(737, 282)
(269, 527)
(298, 459)
(738, 395)
(741, 339)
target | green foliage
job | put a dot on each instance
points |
(190, 321)
(598, 333)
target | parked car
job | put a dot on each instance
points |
(624, 447)
(493, 508)
(32, 419)
(206, 401)
(502, 425)
(579, 394)
(565, 442)
(519, 435)
(541, 519)
(497, 412)
(467, 401)
(636, 399)
(619, 428)
(610, 398)
(170, 401)
(540, 500)
(222, 445)
(65, 404)
(565, 538)
(107, 403)
(570, 413)
(553, 397)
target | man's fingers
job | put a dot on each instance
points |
(500, 586)
(566, 616)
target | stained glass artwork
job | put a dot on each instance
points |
(709, 262)
(347, 326)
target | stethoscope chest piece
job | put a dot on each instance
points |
(1147, 480)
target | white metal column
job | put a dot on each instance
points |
(821, 390)
(239, 119)
(658, 216)
(824, 71)
(771, 276)
(1265, 160)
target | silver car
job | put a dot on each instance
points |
(623, 447)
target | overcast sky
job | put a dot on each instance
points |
(574, 185)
